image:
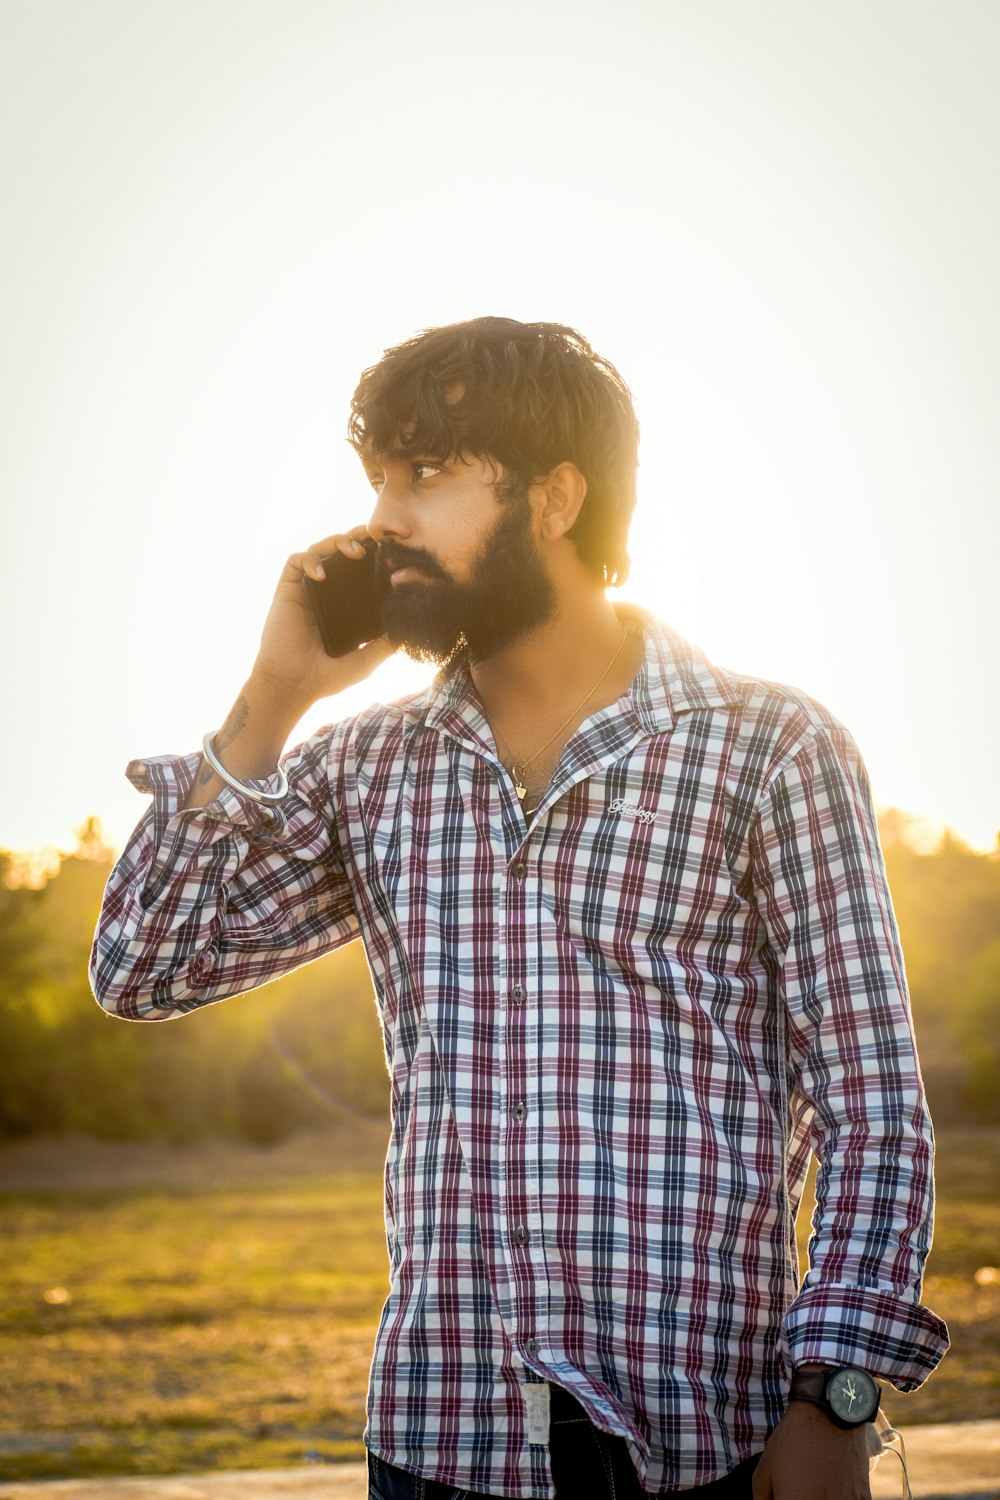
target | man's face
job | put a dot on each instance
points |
(454, 561)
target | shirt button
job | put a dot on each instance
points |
(531, 1348)
(519, 1111)
(520, 1235)
(517, 994)
(520, 871)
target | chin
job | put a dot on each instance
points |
(433, 655)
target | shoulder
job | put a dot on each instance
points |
(785, 723)
(765, 725)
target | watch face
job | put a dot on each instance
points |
(852, 1396)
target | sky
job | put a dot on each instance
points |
(781, 221)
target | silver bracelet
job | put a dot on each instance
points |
(266, 799)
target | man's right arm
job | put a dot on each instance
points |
(290, 674)
(216, 894)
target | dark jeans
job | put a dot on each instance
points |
(587, 1464)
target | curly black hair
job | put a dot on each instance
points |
(525, 396)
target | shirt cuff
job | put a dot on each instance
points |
(169, 778)
(894, 1340)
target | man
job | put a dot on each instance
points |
(634, 957)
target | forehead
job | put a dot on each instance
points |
(401, 453)
(405, 443)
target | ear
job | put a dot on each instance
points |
(557, 501)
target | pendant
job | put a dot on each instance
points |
(522, 791)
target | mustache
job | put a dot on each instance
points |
(391, 555)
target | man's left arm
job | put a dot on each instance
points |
(822, 892)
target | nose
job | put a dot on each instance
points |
(388, 520)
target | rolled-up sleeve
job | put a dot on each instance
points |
(207, 902)
(822, 892)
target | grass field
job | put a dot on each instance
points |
(193, 1308)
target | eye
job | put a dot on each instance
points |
(375, 479)
(425, 469)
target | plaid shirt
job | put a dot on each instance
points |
(614, 1034)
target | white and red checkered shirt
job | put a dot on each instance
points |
(614, 1034)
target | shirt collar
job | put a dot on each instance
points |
(674, 678)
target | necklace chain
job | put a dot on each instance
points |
(518, 776)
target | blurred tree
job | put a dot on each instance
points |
(20, 1029)
(259, 1066)
(947, 900)
(977, 1025)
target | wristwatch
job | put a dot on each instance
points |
(849, 1396)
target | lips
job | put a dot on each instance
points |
(395, 568)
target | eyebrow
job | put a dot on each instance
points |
(405, 455)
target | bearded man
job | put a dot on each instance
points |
(634, 958)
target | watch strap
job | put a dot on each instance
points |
(810, 1385)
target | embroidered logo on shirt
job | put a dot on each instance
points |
(631, 810)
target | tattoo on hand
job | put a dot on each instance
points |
(234, 725)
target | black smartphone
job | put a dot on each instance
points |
(344, 602)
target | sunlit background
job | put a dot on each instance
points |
(780, 220)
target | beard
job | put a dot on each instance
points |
(508, 594)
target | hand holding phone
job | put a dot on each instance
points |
(290, 672)
(344, 601)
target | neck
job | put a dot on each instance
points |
(553, 663)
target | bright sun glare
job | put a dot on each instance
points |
(785, 242)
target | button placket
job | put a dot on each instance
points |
(524, 1257)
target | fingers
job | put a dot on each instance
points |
(310, 562)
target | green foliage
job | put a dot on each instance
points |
(977, 1028)
(308, 1048)
(947, 901)
(283, 1059)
